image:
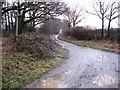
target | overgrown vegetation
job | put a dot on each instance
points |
(82, 33)
(92, 38)
(34, 55)
(33, 43)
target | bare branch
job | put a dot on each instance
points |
(74, 16)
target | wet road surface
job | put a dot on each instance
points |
(85, 68)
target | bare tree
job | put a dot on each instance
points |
(40, 11)
(68, 18)
(74, 16)
(113, 14)
(100, 7)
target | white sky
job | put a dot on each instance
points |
(90, 20)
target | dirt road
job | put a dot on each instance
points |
(85, 68)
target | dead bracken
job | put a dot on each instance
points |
(32, 43)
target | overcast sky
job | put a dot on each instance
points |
(90, 20)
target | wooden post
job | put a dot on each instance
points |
(17, 24)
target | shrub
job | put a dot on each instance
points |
(68, 32)
(82, 33)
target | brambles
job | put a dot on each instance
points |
(32, 43)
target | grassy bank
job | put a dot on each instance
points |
(22, 68)
(97, 44)
(28, 58)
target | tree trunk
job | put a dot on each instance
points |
(6, 23)
(34, 22)
(21, 24)
(73, 23)
(12, 25)
(108, 30)
(8, 18)
(102, 33)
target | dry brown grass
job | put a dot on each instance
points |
(107, 45)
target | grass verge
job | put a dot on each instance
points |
(97, 44)
(22, 68)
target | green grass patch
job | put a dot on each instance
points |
(22, 68)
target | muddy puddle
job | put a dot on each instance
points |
(55, 81)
